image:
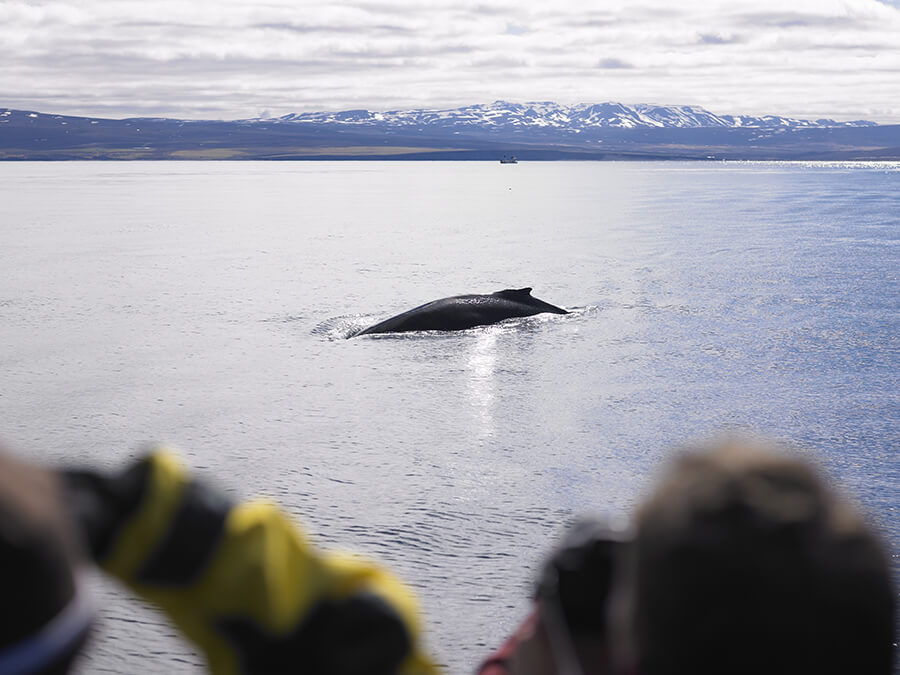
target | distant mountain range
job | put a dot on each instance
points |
(528, 130)
(503, 116)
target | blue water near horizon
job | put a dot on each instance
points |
(208, 304)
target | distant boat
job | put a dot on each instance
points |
(509, 160)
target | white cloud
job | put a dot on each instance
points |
(229, 59)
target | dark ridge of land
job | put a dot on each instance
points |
(26, 135)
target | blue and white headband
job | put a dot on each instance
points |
(54, 639)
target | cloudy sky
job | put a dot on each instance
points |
(223, 59)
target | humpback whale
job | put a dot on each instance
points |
(466, 311)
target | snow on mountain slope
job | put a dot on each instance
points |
(549, 115)
(503, 116)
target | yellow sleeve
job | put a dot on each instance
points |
(245, 585)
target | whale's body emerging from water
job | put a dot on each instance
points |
(466, 311)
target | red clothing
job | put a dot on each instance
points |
(498, 662)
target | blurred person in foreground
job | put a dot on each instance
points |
(241, 581)
(45, 613)
(742, 561)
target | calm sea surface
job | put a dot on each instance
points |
(207, 305)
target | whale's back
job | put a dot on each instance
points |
(460, 312)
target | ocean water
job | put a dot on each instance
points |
(207, 305)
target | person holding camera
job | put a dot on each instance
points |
(742, 561)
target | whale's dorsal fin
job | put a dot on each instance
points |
(515, 293)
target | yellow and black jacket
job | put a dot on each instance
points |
(242, 582)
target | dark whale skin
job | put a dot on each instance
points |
(460, 312)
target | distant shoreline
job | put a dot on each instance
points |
(32, 136)
(432, 157)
